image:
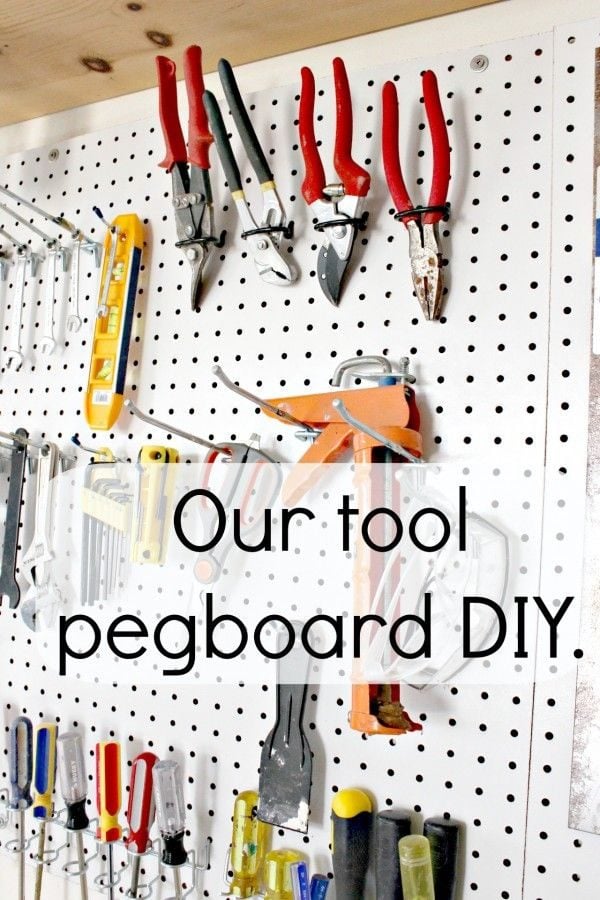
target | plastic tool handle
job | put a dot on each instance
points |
(355, 179)
(73, 779)
(230, 167)
(199, 136)
(391, 153)
(351, 817)
(108, 790)
(391, 826)
(243, 124)
(319, 885)
(443, 836)
(299, 878)
(441, 147)
(45, 769)
(415, 865)
(314, 177)
(169, 116)
(140, 809)
(20, 762)
(170, 811)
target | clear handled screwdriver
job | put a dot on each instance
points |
(140, 814)
(73, 787)
(170, 816)
(108, 801)
(43, 783)
(21, 768)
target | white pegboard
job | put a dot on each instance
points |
(482, 385)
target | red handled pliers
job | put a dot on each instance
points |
(337, 208)
(189, 167)
(425, 255)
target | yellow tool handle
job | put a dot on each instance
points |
(45, 770)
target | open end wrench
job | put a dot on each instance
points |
(48, 341)
(74, 319)
(14, 356)
(8, 581)
(36, 560)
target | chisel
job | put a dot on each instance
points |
(73, 787)
(108, 801)
(43, 782)
(140, 814)
(170, 815)
(21, 766)
(351, 819)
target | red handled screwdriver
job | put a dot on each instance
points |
(108, 801)
(140, 815)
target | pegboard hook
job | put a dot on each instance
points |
(164, 426)
(263, 404)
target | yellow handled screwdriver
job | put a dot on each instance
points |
(248, 846)
(73, 787)
(108, 801)
(21, 765)
(43, 783)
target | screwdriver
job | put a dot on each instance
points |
(278, 875)
(140, 814)
(43, 782)
(248, 845)
(108, 801)
(170, 815)
(415, 867)
(21, 765)
(351, 816)
(73, 786)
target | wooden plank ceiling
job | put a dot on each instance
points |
(43, 44)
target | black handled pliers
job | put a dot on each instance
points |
(264, 236)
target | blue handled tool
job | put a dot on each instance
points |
(20, 766)
(299, 875)
(319, 885)
(43, 782)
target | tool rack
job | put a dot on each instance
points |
(496, 373)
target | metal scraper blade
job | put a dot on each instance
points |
(286, 761)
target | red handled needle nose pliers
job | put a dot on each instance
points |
(189, 166)
(337, 208)
(421, 221)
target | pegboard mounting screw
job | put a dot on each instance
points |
(53, 154)
(480, 63)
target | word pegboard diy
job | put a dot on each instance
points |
(489, 384)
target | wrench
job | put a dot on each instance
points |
(36, 560)
(8, 581)
(14, 356)
(74, 319)
(48, 342)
